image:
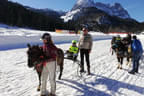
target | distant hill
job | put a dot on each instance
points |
(15, 14)
(47, 12)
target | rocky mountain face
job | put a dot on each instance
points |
(100, 17)
(112, 10)
(98, 20)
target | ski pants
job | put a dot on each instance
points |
(84, 52)
(49, 69)
(135, 59)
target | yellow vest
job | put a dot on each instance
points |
(73, 49)
(118, 38)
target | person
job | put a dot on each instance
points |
(113, 44)
(73, 51)
(49, 67)
(118, 39)
(137, 51)
(128, 51)
(85, 46)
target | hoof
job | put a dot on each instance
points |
(127, 63)
(59, 78)
(120, 68)
(38, 89)
(51, 94)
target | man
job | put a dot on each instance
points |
(137, 54)
(85, 46)
(49, 67)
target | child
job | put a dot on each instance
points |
(73, 51)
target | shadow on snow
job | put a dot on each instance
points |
(112, 85)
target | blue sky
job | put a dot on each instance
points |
(134, 7)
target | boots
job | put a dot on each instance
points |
(82, 69)
(88, 71)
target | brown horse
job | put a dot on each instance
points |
(36, 57)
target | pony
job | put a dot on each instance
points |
(36, 58)
(122, 50)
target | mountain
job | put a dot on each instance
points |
(113, 10)
(100, 17)
(98, 20)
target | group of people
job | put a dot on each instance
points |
(84, 47)
(129, 45)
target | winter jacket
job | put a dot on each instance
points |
(137, 46)
(85, 42)
(50, 51)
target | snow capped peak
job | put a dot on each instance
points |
(79, 2)
(83, 3)
(112, 9)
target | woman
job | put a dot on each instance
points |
(49, 67)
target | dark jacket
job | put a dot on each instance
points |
(137, 46)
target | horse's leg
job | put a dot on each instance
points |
(121, 62)
(61, 70)
(118, 58)
(127, 61)
(112, 51)
(130, 62)
(39, 75)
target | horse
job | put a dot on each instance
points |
(122, 48)
(36, 58)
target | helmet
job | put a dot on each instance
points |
(74, 41)
(46, 35)
(118, 35)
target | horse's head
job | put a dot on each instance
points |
(34, 52)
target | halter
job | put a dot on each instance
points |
(38, 64)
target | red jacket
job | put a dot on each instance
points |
(51, 51)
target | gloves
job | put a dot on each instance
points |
(89, 50)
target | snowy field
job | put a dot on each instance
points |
(16, 79)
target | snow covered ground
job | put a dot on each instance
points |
(16, 79)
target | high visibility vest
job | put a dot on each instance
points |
(118, 38)
(73, 49)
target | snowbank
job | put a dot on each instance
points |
(13, 38)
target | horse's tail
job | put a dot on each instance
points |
(60, 56)
(60, 52)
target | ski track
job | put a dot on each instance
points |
(16, 79)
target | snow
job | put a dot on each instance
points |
(12, 38)
(16, 79)
(69, 15)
